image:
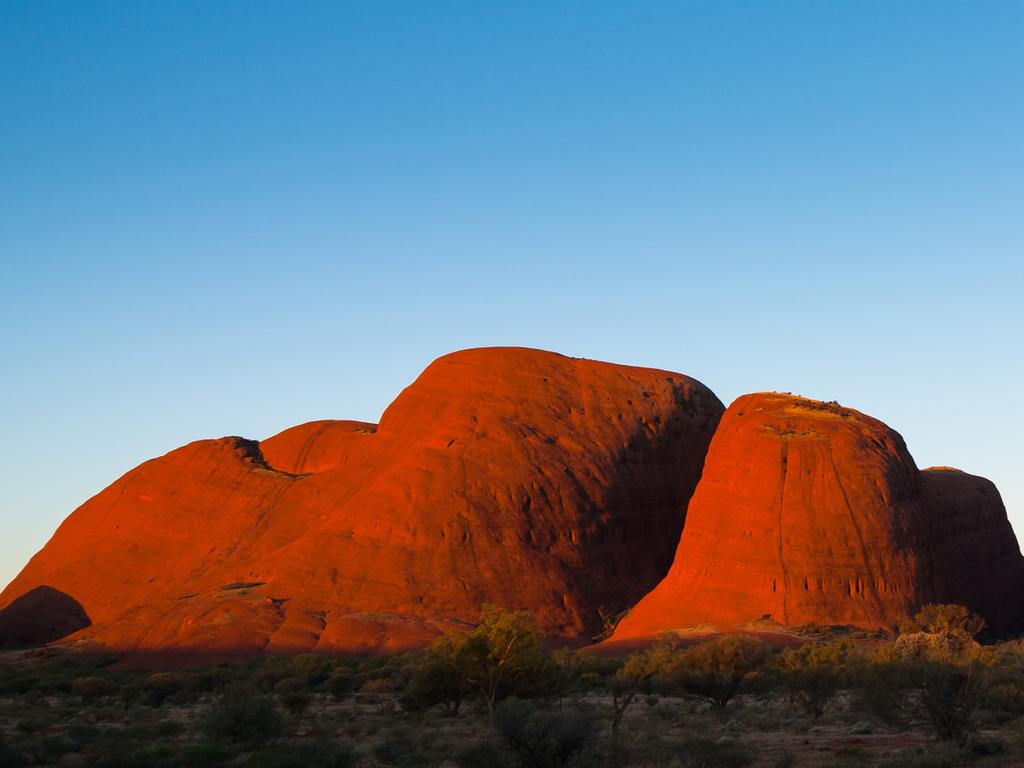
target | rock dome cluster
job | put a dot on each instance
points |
(576, 489)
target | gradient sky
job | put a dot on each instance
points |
(228, 218)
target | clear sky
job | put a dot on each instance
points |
(228, 218)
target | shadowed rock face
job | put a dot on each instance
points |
(512, 476)
(40, 616)
(814, 513)
(975, 559)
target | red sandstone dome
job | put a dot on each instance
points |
(511, 476)
(814, 513)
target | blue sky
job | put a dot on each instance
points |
(228, 218)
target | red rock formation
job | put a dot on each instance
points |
(511, 476)
(975, 559)
(813, 513)
(315, 446)
(40, 616)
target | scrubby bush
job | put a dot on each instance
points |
(128, 695)
(210, 680)
(160, 686)
(323, 753)
(541, 739)
(8, 758)
(945, 672)
(341, 683)
(203, 756)
(32, 723)
(575, 671)
(880, 687)
(242, 715)
(293, 695)
(948, 696)
(89, 688)
(699, 752)
(399, 749)
(943, 619)
(484, 754)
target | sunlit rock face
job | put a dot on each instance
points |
(809, 512)
(509, 476)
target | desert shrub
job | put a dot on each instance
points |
(317, 678)
(341, 683)
(812, 688)
(168, 728)
(45, 748)
(880, 687)
(943, 619)
(851, 756)
(89, 688)
(700, 752)
(717, 669)
(153, 755)
(571, 671)
(948, 696)
(129, 753)
(242, 715)
(9, 760)
(947, 671)
(33, 723)
(293, 695)
(128, 695)
(204, 756)
(1005, 698)
(484, 754)
(160, 686)
(323, 753)
(83, 734)
(400, 750)
(209, 680)
(541, 739)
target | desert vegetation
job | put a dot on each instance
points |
(498, 696)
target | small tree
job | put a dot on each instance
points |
(442, 677)
(716, 669)
(574, 670)
(505, 650)
(635, 676)
(379, 691)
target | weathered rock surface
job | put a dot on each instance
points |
(814, 513)
(505, 475)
